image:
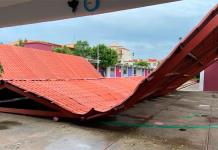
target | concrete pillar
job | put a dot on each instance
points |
(201, 86)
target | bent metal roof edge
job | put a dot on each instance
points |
(99, 96)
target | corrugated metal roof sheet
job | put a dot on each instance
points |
(70, 82)
(81, 96)
(26, 64)
(72, 86)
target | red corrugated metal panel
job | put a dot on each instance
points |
(192, 55)
(81, 96)
(63, 80)
(25, 64)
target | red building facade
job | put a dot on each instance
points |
(41, 45)
(211, 78)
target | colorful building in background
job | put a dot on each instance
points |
(124, 68)
(153, 63)
(130, 71)
(124, 54)
(127, 71)
(118, 71)
(41, 45)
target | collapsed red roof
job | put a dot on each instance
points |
(72, 88)
(67, 81)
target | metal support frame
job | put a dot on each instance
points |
(61, 112)
(2, 85)
(166, 78)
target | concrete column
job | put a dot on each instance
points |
(201, 86)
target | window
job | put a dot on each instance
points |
(134, 71)
(112, 69)
(124, 70)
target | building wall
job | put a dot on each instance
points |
(130, 71)
(126, 71)
(112, 72)
(118, 71)
(211, 78)
(41, 46)
(201, 86)
(139, 72)
(124, 55)
(153, 63)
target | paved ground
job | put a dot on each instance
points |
(181, 121)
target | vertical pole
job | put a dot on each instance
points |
(98, 58)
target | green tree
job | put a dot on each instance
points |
(107, 56)
(83, 49)
(64, 50)
(142, 64)
(21, 43)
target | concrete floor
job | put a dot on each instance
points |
(180, 121)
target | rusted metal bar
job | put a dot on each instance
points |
(31, 112)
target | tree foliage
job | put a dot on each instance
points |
(142, 64)
(107, 56)
(21, 43)
(82, 48)
(63, 50)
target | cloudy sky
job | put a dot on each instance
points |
(150, 32)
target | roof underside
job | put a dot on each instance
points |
(18, 12)
(70, 85)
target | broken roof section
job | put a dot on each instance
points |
(72, 88)
(70, 83)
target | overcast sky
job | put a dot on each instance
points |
(150, 32)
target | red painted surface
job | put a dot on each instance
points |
(118, 72)
(211, 78)
(72, 84)
(41, 46)
(69, 82)
(29, 64)
(146, 73)
(152, 60)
